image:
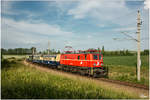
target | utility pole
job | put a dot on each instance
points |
(138, 40)
(48, 47)
(138, 45)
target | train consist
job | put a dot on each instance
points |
(89, 62)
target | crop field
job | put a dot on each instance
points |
(123, 68)
(21, 81)
(126, 61)
(15, 56)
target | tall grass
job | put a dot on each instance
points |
(20, 81)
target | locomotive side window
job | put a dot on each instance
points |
(78, 57)
(95, 57)
(65, 57)
(99, 57)
(85, 57)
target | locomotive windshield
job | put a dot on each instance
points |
(95, 57)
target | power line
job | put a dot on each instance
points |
(117, 19)
(132, 38)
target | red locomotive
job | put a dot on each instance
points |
(88, 62)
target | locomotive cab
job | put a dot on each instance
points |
(97, 60)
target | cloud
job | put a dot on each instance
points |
(125, 29)
(104, 13)
(101, 25)
(97, 8)
(89, 36)
(83, 8)
(23, 33)
(147, 4)
(36, 28)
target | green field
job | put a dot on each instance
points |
(21, 81)
(125, 61)
(123, 68)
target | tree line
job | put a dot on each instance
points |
(29, 51)
(26, 51)
(123, 52)
(16, 51)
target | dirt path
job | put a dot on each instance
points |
(117, 87)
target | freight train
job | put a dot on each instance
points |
(88, 62)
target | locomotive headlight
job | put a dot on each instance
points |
(94, 64)
(97, 63)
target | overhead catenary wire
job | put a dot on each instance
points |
(116, 20)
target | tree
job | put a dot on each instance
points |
(3, 51)
(146, 52)
(58, 51)
(40, 52)
(115, 53)
(103, 52)
(10, 51)
(18, 51)
(127, 52)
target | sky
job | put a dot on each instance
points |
(81, 24)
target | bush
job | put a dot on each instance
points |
(21, 59)
(12, 58)
(5, 64)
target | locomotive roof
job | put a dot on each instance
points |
(89, 51)
(83, 53)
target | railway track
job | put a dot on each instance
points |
(140, 86)
(125, 83)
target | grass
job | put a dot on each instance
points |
(123, 68)
(21, 81)
(126, 61)
(128, 74)
(15, 56)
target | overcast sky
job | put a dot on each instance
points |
(82, 24)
